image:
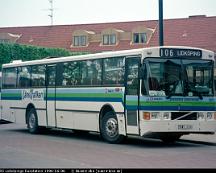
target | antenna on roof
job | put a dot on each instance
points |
(51, 11)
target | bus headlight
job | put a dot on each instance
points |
(155, 115)
(200, 116)
(166, 116)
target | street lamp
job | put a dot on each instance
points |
(161, 39)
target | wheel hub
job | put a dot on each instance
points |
(112, 127)
(32, 120)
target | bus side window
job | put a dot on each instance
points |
(144, 79)
(38, 75)
(51, 75)
(71, 73)
(59, 75)
(114, 71)
(24, 77)
(133, 75)
(91, 72)
(9, 77)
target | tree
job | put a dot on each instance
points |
(10, 52)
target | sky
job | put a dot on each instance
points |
(35, 12)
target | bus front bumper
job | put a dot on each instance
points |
(178, 126)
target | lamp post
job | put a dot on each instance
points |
(161, 38)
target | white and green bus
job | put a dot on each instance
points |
(162, 92)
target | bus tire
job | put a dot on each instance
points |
(109, 128)
(32, 122)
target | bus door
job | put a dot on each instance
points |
(51, 95)
(132, 94)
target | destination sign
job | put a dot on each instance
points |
(174, 52)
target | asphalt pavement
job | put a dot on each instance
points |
(200, 138)
(65, 149)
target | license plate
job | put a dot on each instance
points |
(185, 127)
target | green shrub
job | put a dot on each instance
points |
(10, 52)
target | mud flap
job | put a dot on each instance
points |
(121, 124)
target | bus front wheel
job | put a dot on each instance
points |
(32, 122)
(109, 128)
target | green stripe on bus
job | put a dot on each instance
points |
(11, 95)
(135, 103)
(178, 103)
(98, 95)
(132, 103)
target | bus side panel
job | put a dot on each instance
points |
(9, 99)
(79, 108)
(6, 113)
(37, 97)
(15, 102)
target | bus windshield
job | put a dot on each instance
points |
(178, 77)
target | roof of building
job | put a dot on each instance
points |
(196, 31)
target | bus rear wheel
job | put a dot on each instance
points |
(109, 129)
(32, 122)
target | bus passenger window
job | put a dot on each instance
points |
(71, 74)
(51, 76)
(9, 76)
(24, 77)
(133, 75)
(114, 71)
(38, 76)
(91, 72)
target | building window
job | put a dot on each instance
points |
(139, 38)
(109, 39)
(80, 40)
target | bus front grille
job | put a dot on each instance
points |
(184, 116)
